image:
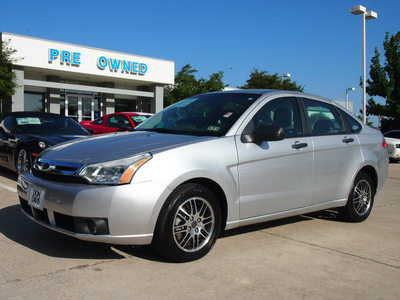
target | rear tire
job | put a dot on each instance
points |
(189, 224)
(360, 200)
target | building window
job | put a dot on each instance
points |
(125, 105)
(34, 101)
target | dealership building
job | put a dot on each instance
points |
(83, 82)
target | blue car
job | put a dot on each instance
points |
(23, 135)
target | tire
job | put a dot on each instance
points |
(23, 161)
(360, 200)
(189, 224)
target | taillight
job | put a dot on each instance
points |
(384, 144)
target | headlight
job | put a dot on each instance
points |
(118, 171)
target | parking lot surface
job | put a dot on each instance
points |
(312, 256)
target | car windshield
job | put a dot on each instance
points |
(393, 134)
(47, 124)
(204, 115)
(139, 119)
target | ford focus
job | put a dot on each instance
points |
(209, 163)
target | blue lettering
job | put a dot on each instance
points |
(127, 66)
(114, 64)
(76, 58)
(135, 67)
(102, 62)
(143, 68)
(65, 57)
(53, 54)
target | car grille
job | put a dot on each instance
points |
(57, 171)
(72, 224)
(58, 177)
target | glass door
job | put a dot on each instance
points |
(87, 108)
(72, 107)
(80, 107)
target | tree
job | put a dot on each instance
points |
(385, 82)
(8, 79)
(186, 85)
(264, 80)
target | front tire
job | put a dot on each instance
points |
(189, 224)
(23, 161)
(360, 200)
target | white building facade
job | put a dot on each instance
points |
(83, 82)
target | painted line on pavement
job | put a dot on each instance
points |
(8, 187)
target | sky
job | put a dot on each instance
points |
(318, 42)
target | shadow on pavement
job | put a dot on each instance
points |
(6, 173)
(18, 228)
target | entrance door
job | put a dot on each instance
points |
(81, 107)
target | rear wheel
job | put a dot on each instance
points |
(23, 161)
(360, 200)
(189, 224)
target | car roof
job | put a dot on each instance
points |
(266, 92)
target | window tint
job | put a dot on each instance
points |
(282, 112)
(117, 120)
(393, 134)
(323, 117)
(355, 126)
(99, 121)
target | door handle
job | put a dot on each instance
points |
(298, 145)
(347, 140)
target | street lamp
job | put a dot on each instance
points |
(286, 75)
(347, 96)
(361, 10)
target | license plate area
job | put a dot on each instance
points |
(36, 197)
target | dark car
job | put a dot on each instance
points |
(23, 135)
(121, 121)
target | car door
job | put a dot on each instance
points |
(337, 153)
(275, 176)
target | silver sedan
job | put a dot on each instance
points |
(211, 162)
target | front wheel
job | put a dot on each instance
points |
(189, 224)
(22, 161)
(360, 200)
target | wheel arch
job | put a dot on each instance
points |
(370, 170)
(219, 193)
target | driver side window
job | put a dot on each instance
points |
(283, 112)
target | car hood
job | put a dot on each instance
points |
(114, 146)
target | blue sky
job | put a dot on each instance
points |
(317, 42)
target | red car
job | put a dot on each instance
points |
(121, 121)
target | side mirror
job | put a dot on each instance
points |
(265, 133)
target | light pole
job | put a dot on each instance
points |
(357, 10)
(347, 96)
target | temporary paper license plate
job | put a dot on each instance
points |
(36, 197)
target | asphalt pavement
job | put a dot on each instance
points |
(313, 256)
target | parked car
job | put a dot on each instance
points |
(393, 141)
(211, 162)
(23, 135)
(122, 121)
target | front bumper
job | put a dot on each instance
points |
(125, 214)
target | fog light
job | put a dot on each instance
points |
(92, 226)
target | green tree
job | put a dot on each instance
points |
(385, 82)
(186, 85)
(264, 80)
(8, 80)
